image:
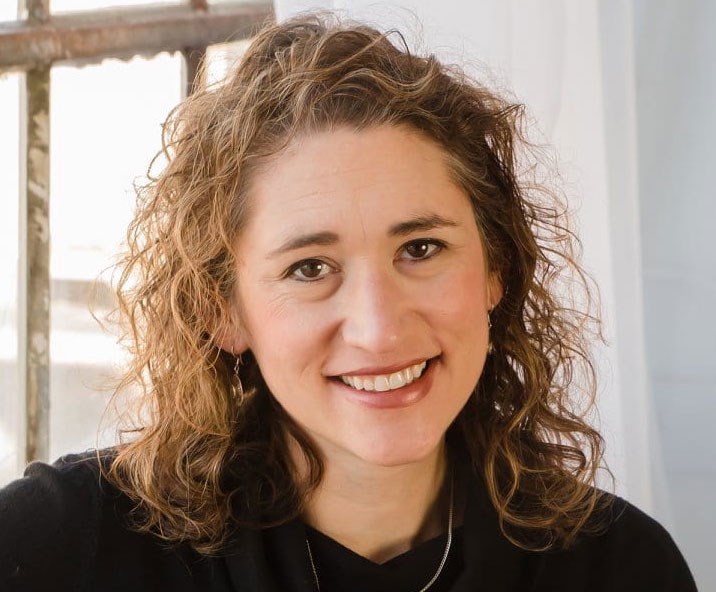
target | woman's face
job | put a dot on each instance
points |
(363, 292)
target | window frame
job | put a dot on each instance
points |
(33, 45)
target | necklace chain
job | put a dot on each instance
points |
(436, 575)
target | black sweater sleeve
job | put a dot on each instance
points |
(48, 526)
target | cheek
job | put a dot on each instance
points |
(460, 298)
(283, 333)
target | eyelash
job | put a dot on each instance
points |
(430, 242)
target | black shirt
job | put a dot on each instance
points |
(62, 527)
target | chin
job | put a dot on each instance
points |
(392, 454)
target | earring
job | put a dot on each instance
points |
(490, 348)
(237, 389)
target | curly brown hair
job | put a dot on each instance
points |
(203, 462)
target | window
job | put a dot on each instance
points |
(75, 134)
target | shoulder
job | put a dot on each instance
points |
(627, 523)
(65, 527)
(49, 496)
(49, 520)
(632, 552)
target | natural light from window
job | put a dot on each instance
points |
(105, 128)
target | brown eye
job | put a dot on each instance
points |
(310, 270)
(422, 249)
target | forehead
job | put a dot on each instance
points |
(345, 175)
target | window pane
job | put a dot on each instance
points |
(74, 5)
(11, 403)
(223, 57)
(8, 11)
(106, 126)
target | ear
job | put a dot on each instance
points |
(231, 341)
(494, 290)
(230, 336)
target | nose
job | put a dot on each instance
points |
(375, 310)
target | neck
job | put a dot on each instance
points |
(381, 512)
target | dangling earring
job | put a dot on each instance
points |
(490, 348)
(237, 389)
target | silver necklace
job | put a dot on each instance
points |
(442, 561)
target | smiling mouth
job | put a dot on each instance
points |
(380, 383)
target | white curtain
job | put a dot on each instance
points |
(576, 78)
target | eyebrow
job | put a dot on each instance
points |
(326, 238)
(420, 224)
(305, 240)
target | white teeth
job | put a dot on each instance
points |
(386, 382)
(382, 384)
(396, 380)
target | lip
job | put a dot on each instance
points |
(377, 371)
(405, 396)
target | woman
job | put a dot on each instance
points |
(340, 296)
